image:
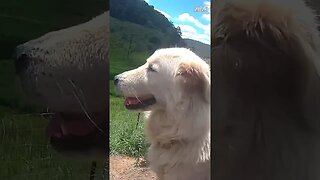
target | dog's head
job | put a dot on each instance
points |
(66, 71)
(167, 78)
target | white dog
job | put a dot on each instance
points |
(66, 71)
(266, 100)
(174, 87)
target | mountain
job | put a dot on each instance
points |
(136, 31)
(141, 13)
(201, 49)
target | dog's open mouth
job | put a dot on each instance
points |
(74, 132)
(142, 102)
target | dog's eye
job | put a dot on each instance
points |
(151, 68)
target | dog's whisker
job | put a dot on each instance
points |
(83, 107)
(59, 87)
(134, 92)
(136, 96)
(44, 114)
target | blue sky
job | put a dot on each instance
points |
(185, 14)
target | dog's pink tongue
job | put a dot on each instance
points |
(73, 125)
(130, 101)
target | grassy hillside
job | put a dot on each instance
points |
(24, 151)
(129, 48)
(131, 44)
(140, 12)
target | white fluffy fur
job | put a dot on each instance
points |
(78, 46)
(78, 53)
(292, 17)
(178, 125)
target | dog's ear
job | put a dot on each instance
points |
(194, 78)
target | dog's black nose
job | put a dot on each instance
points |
(21, 63)
(116, 80)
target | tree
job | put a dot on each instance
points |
(179, 31)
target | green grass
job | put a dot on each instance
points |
(126, 132)
(26, 154)
(126, 137)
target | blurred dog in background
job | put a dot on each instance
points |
(266, 84)
(67, 71)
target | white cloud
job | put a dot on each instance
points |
(206, 17)
(190, 32)
(196, 36)
(186, 17)
(207, 3)
(147, 1)
(164, 13)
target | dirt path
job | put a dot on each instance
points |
(128, 168)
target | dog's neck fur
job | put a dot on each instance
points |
(181, 135)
